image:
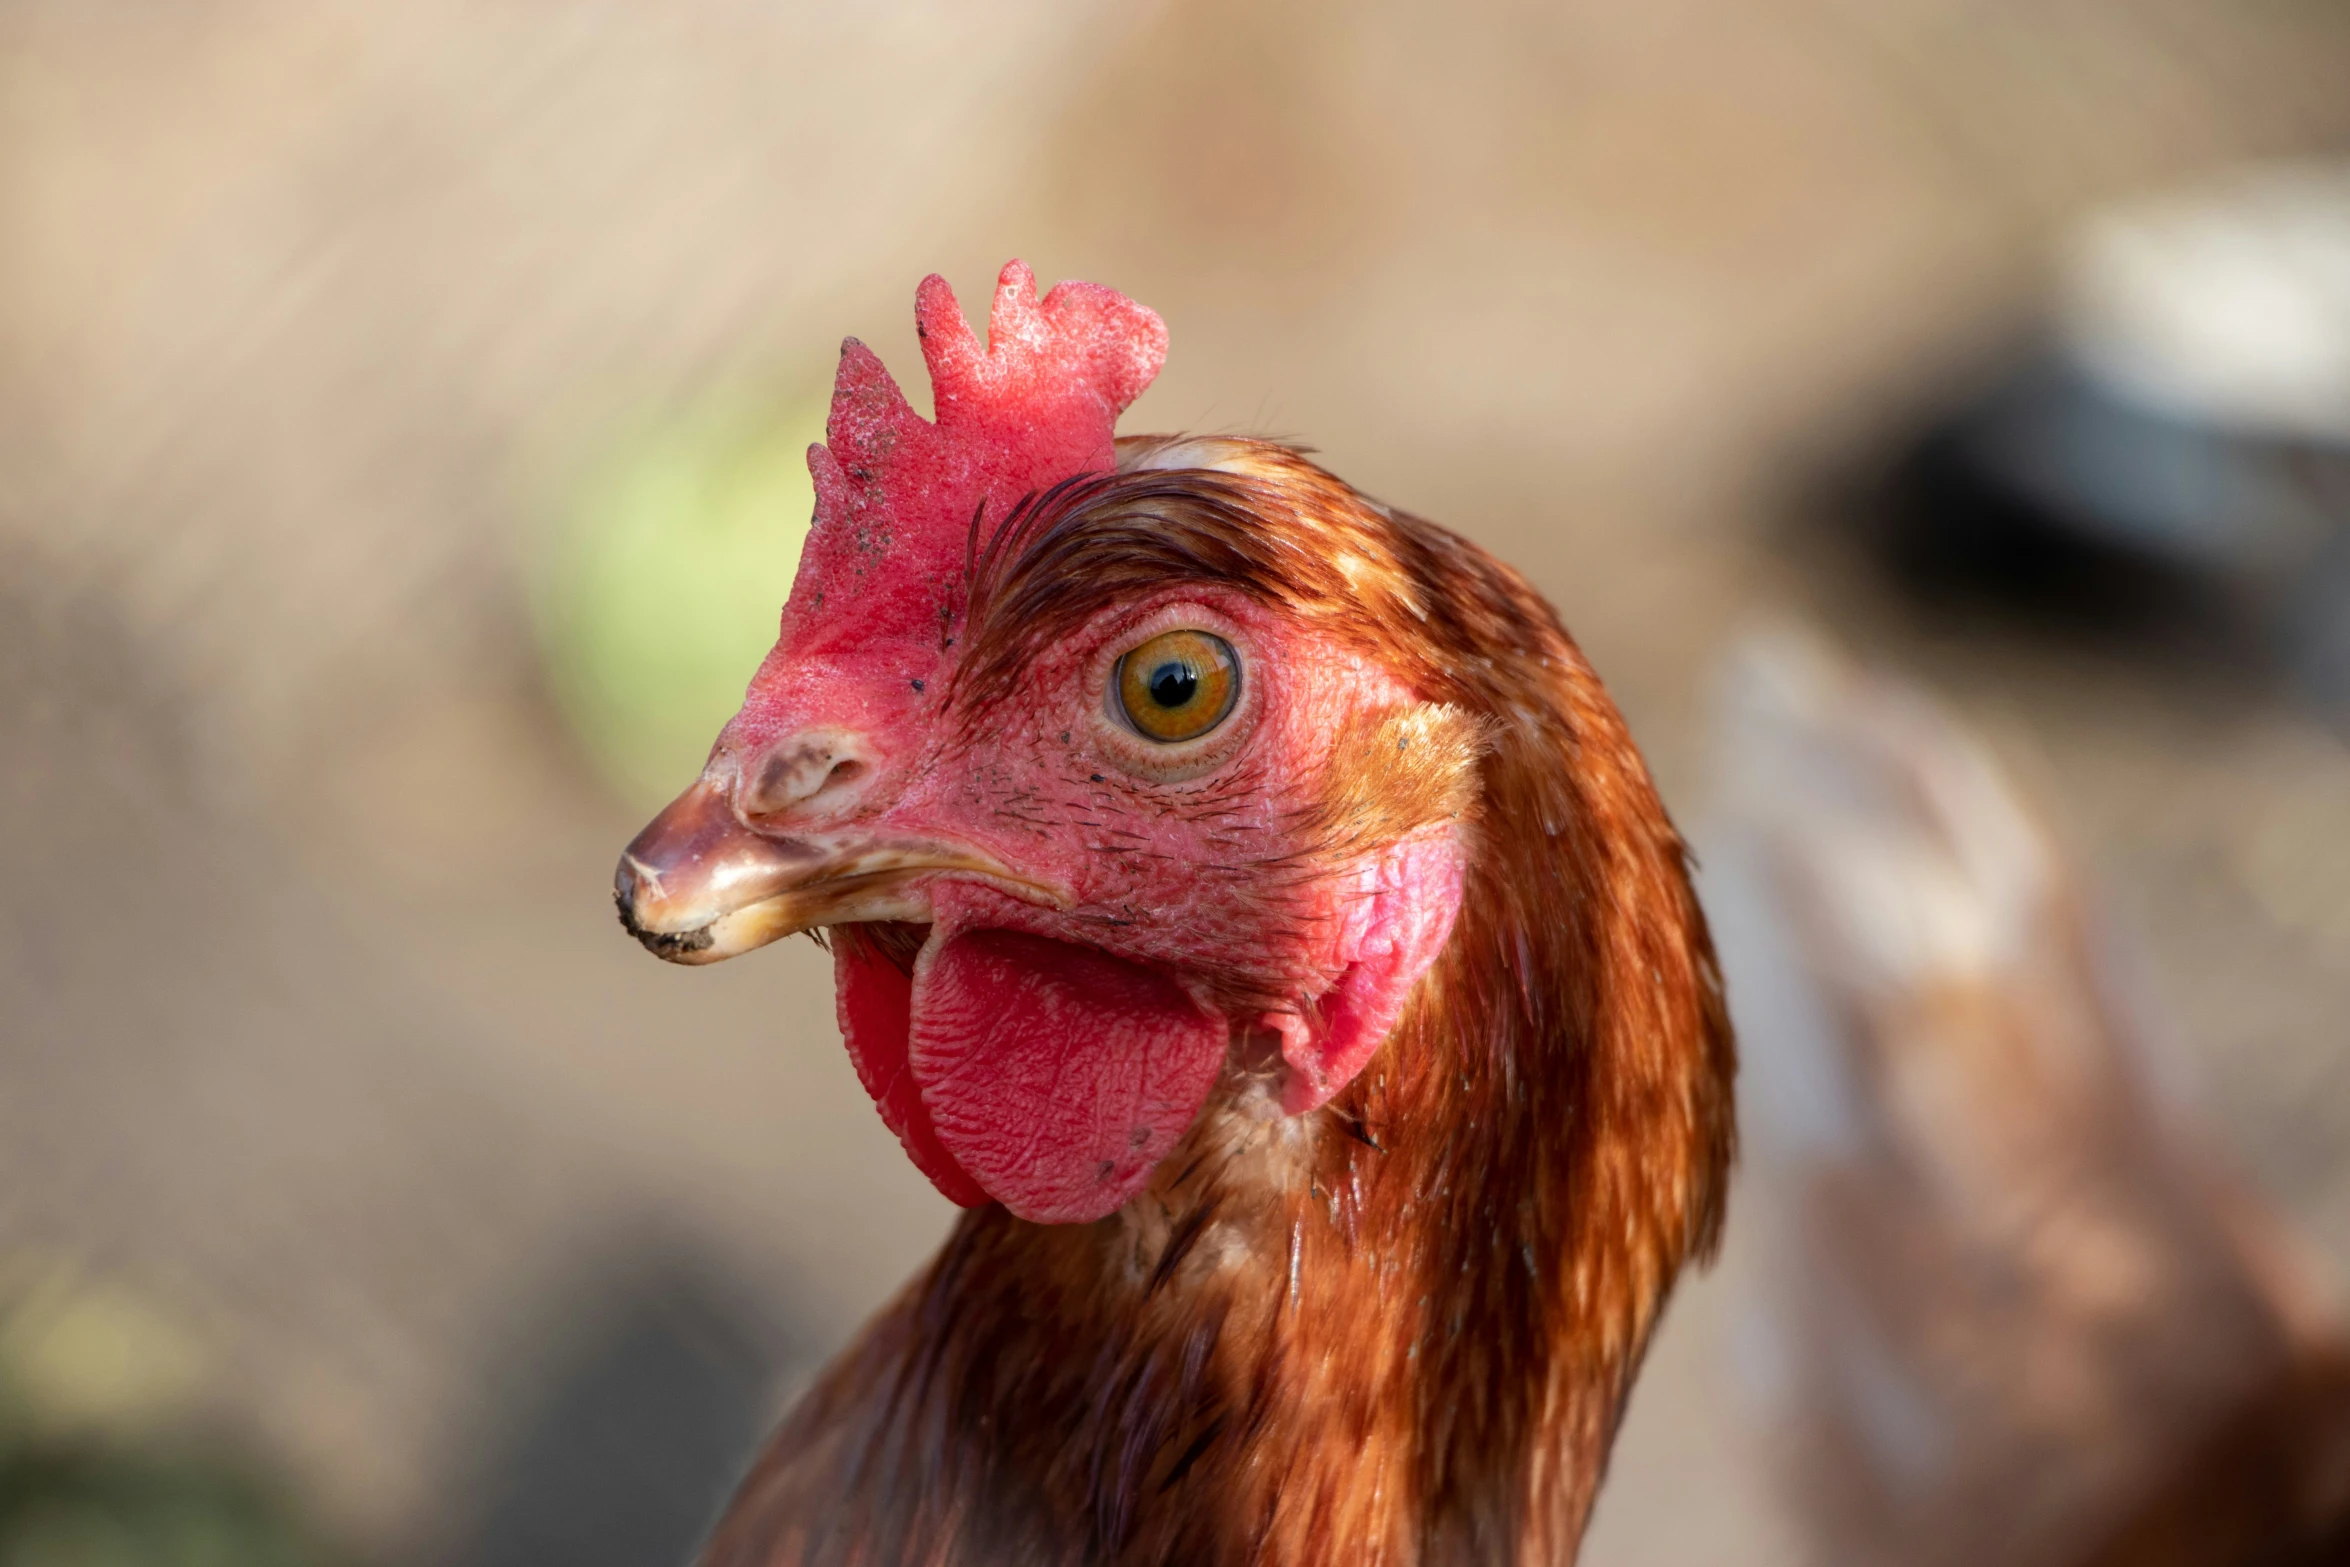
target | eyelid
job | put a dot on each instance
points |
(1160, 761)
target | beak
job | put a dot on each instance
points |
(700, 884)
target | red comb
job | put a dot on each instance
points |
(896, 494)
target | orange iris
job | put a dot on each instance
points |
(1178, 685)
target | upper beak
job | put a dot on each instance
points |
(699, 884)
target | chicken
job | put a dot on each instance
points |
(2017, 1311)
(1245, 900)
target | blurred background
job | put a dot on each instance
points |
(400, 419)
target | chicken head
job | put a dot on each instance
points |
(1099, 761)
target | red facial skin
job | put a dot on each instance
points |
(1051, 1074)
(1136, 922)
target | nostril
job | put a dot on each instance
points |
(775, 786)
(818, 774)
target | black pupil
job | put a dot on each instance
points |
(1173, 684)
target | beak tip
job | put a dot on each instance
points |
(681, 946)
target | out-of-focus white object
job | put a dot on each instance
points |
(2193, 404)
(2186, 407)
(2228, 305)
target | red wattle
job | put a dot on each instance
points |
(1056, 1075)
(876, 1006)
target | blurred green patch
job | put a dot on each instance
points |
(98, 1466)
(661, 576)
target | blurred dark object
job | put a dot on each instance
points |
(2017, 1310)
(2179, 439)
(646, 1420)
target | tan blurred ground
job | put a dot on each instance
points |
(316, 1024)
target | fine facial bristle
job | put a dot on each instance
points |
(896, 494)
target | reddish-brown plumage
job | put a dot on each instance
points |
(1394, 1330)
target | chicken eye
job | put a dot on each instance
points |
(1178, 685)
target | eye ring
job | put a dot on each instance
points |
(1177, 685)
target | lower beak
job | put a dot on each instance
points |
(699, 884)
